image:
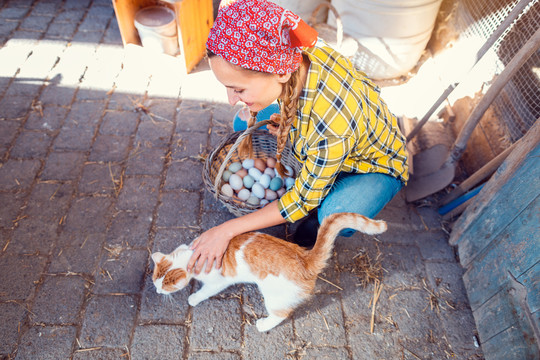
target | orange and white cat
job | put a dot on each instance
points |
(284, 272)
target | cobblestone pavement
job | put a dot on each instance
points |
(100, 164)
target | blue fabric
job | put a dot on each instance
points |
(364, 194)
(264, 114)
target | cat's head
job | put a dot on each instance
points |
(170, 273)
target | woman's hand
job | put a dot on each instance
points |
(208, 248)
(274, 126)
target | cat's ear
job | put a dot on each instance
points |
(157, 257)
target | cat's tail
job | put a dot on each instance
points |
(329, 230)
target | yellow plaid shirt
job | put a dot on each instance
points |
(342, 125)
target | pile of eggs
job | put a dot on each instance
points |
(256, 181)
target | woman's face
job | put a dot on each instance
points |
(255, 89)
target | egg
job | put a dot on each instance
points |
(270, 172)
(276, 183)
(271, 162)
(264, 202)
(248, 181)
(235, 166)
(244, 194)
(236, 182)
(255, 173)
(270, 195)
(280, 192)
(248, 163)
(242, 173)
(289, 182)
(289, 171)
(258, 190)
(227, 190)
(226, 175)
(265, 180)
(253, 200)
(260, 164)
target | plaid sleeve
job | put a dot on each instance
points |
(323, 162)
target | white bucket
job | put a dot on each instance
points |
(392, 33)
(157, 29)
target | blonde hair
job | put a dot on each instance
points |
(287, 112)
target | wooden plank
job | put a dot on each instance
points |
(510, 344)
(531, 280)
(508, 201)
(514, 250)
(482, 202)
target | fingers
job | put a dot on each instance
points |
(194, 257)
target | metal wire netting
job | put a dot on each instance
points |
(518, 104)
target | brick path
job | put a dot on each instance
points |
(100, 164)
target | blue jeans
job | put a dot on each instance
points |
(364, 194)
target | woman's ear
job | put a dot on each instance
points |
(283, 78)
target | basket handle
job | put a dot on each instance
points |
(247, 132)
(339, 23)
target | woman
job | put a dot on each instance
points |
(352, 154)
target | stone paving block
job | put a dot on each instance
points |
(100, 178)
(14, 107)
(121, 271)
(85, 113)
(446, 278)
(49, 8)
(52, 118)
(20, 284)
(210, 203)
(130, 229)
(18, 174)
(188, 144)
(326, 353)
(275, 344)
(185, 175)
(12, 315)
(108, 321)
(216, 325)
(10, 209)
(139, 193)
(77, 253)
(211, 219)
(14, 13)
(100, 354)
(47, 343)
(398, 234)
(213, 356)
(36, 22)
(8, 130)
(56, 95)
(425, 217)
(434, 245)
(320, 321)
(31, 144)
(33, 236)
(166, 309)
(163, 109)
(49, 201)
(63, 166)
(166, 240)
(61, 30)
(373, 346)
(99, 10)
(403, 266)
(59, 300)
(121, 123)
(112, 35)
(94, 23)
(110, 148)
(74, 139)
(88, 37)
(19, 89)
(192, 117)
(8, 26)
(158, 342)
(146, 161)
(178, 209)
(156, 133)
(120, 101)
(88, 215)
(70, 15)
(82, 4)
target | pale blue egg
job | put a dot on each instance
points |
(226, 175)
(276, 183)
(264, 202)
(236, 182)
(289, 182)
(289, 171)
(248, 181)
(253, 200)
(258, 190)
(265, 180)
(248, 163)
(255, 173)
(244, 194)
(270, 172)
(235, 166)
(270, 195)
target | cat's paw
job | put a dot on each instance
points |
(194, 300)
(267, 323)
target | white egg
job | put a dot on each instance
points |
(226, 175)
(258, 190)
(265, 180)
(280, 192)
(255, 173)
(235, 166)
(248, 163)
(244, 194)
(236, 182)
(253, 200)
(270, 195)
(227, 190)
(270, 171)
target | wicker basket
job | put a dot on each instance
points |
(264, 146)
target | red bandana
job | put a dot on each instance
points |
(260, 35)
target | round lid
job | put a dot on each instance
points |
(154, 16)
